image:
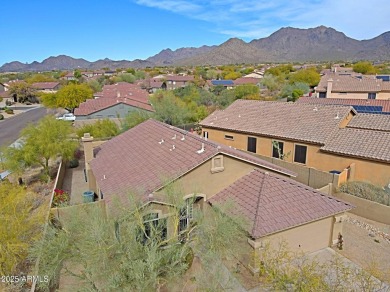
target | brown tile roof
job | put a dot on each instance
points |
(246, 80)
(367, 144)
(176, 78)
(45, 85)
(371, 122)
(94, 105)
(299, 122)
(136, 161)
(270, 203)
(385, 104)
(347, 83)
(124, 90)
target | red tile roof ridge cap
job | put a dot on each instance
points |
(254, 228)
(301, 185)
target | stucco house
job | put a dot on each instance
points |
(338, 85)
(48, 87)
(374, 106)
(114, 101)
(149, 157)
(328, 138)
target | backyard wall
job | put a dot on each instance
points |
(367, 209)
(310, 176)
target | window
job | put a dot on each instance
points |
(205, 135)
(300, 154)
(322, 95)
(187, 212)
(217, 164)
(154, 228)
(277, 149)
(252, 141)
(371, 95)
(229, 137)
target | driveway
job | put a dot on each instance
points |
(11, 127)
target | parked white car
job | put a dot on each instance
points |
(67, 117)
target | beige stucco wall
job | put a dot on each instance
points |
(365, 170)
(357, 95)
(307, 238)
(202, 181)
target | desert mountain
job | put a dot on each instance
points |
(285, 45)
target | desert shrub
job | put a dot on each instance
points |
(9, 111)
(1, 117)
(366, 191)
(101, 129)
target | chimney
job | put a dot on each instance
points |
(329, 88)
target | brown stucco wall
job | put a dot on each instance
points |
(366, 170)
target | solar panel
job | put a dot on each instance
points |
(383, 77)
(371, 109)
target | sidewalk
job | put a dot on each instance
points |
(75, 184)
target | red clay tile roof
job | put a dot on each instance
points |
(299, 122)
(136, 161)
(371, 122)
(246, 80)
(124, 90)
(45, 85)
(368, 144)
(270, 203)
(347, 83)
(385, 104)
(94, 105)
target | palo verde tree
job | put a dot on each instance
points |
(21, 226)
(46, 140)
(71, 95)
(131, 249)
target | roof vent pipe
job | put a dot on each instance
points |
(201, 150)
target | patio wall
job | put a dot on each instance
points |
(367, 209)
(310, 176)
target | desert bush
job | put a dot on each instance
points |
(1, 117)
(366, 191)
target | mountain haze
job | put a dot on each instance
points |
(285, 45)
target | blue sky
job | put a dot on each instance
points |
(137, 29)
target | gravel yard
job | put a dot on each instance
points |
(367, 243)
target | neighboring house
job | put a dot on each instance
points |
(169, 82)
(49, 87)
(227, 84)
(109, 108)
(254, 75)
(123, 90)
(147, 158)
(70, 76)
(374, 106)
(114, 101)
(337, 85)
(246, 80)
(328, 138)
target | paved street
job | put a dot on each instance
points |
(10, 128)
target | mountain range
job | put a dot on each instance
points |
(285, 45)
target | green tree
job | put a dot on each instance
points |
(125, 77)
(23, 91)
(232, 75)
(130, 250)
(133, 118)
(295, 90)
(245, 90)
(77, 74)
(309, 76)
(271, 82)
(21, 226)
(46, 140)
(39, 78)
(95, 85)
(100, 129)
(71, 95)
(169, 108)
(280, 70)
(49, 100)
(364, 67)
